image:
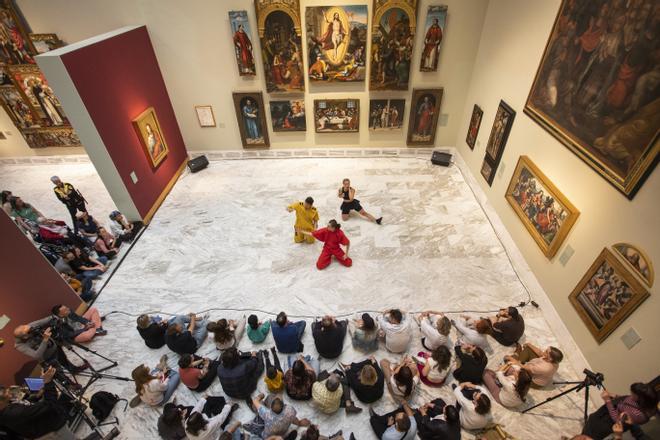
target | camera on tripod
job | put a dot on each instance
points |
(595, 379)
(60, 332)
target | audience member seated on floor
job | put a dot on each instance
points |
(273, 417)
(300, 377)
(56, 232)
(83, 286)
(196, 372)
(332, 392)
(313, 433)
(43, 418)
(399, 424)
(5, 195)
(364, 333)
(105, 244)
(438, 421)
(366, 379)
(509, 385)
(185, 336)
(71, 197)
(22, 211)
(274, 377)
(507, 327)
(226, 333)
(155, 386)
(171, 422)
(199, 426)
(240, 372)
(395, 326)
(329, 336)
(87, 225)
(634, 409)
(470, 363)
(152, 328)
(435, 328)
(434, 367)
(257, 330)
(287, 334)
(34, 340)
(79, 328)
(474, 406)
(473, 331)
(541, 364)
(122, 229)
(85, 265)
(401, 378)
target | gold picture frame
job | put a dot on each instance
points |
(45, 42)
(151, 136)
(637, 260)
(606, 295)
(546, 213)
(205, 116)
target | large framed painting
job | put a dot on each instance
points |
(546, 213)
(434, 29)
(15, 46)
(251, 119)
(18, 109)
(45, 42)
(240, 29)
(288, 115)
(392, 39)
(336, 42)
(280, 34)
(596, 87)
(32, 83)
(386, 114)
(606, 295)
(638, 261)
(337, 115)
(500, 132)
(475, 124)
(424, 112)
(151, 136)
(51, 137)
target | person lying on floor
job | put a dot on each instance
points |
(196, 372)
(507, 327)
(329, 336)
(257, 330)
(399, 424)
(186, 336)
(438, 421)
(395, 326)
(79, 328)
(541, 364)
(226, 333)
(287, 334)
(435, 328)
(273, 417)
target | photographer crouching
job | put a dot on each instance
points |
(42, 416)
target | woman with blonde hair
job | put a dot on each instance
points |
(155, 386)
(366, 379)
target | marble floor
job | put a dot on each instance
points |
(222, 243)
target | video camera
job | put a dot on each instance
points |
(592, 378)
(60, 333)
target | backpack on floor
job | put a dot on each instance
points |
(102, 404)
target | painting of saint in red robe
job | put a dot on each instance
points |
(436, 17)
(424, 116)
(240, 26)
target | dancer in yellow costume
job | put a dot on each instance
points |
(307, 219)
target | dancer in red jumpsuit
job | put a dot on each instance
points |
(332, 237)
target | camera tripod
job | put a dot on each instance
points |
(590, 379)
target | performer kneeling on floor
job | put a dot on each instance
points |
(332, 237)
(307, 219)
(350, 203)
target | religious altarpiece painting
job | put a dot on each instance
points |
(596, 87)
(473, 129)
(288, 115)
(33, 85)
(638, 261)
(151, 137)
(336, 42)
(15, 45)
(242, 38)
(392, 39)
(51, 137)
(499, 135)
(434, 30)
(18, 109)
(424, 112)
(606, 295)
(546, 213)
(251, 119)
(280, 35)
(337, 115)
(386, 114)
(45, 42)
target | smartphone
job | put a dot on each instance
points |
(34, 384)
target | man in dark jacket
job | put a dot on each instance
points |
(239, 372)
(329, 336)
(186, 340)
(431, 425)
(507, 326)
(71, 197)
(288, 334)
(34, 420)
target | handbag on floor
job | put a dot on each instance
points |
(494, 432)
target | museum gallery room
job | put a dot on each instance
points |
(345, 219)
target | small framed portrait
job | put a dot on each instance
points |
(337, 115)
(487, 172)
(606, 295)
(288, 115)
(638, 261)
(473, 129)
(205, 115)
(386, 114)
(45, 42)
(151, 136)
(424, 113)
(500, 132)
(251, 119)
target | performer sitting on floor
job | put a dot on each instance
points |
(307, 219)
(332, 237)
(350, 203)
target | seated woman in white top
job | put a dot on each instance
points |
(475, 406)
(509, 385)
(200, 427)
(474, 331)
(401, 379)
(226, 333)
(364, 333)
(155, 387)
(395, 326)
(435, 328)
(433, 368)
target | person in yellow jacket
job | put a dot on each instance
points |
(307, 219)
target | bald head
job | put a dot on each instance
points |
(21, 331)
(332, 384)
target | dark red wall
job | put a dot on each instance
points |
(29, 288)
(117, 79)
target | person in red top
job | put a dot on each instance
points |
(332, 237)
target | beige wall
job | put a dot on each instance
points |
(512, 43)
(195, 52)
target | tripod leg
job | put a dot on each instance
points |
(586, 403)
